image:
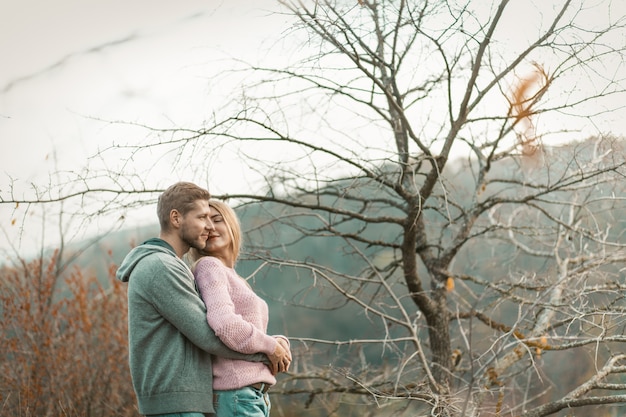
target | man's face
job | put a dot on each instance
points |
(194, 229)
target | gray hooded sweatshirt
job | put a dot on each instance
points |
(170, 342)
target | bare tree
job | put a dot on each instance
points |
(393, 94)
(419, 136)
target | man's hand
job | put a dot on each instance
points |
(281, 358)
(285, 344)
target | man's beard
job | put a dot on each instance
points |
(195, 242)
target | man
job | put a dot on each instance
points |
(170, 342)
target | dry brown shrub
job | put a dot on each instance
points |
(64, 342)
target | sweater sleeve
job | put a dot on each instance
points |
(236, 332)
(170, 289)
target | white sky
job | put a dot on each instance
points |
(52, 81)
(63, 64)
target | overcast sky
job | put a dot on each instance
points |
(66, 62)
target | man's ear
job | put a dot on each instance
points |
(175, 218)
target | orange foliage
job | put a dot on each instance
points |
(63, 343)
(450, 284)
(523, 97)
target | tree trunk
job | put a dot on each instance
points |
(439, 336)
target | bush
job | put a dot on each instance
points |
(64, 342)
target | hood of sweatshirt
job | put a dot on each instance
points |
(138, 253)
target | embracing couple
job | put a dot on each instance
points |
(197, 332)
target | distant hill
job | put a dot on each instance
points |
(302, 306)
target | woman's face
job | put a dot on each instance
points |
(219, 242)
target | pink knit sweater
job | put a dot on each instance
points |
(239, 318)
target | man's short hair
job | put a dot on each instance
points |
(182, 197)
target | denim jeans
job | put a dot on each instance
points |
(243, 402)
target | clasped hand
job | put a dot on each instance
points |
(281, 358)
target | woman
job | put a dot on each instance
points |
(239, 318)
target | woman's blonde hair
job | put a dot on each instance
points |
(233, 226)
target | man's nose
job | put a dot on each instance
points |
(210, 225)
